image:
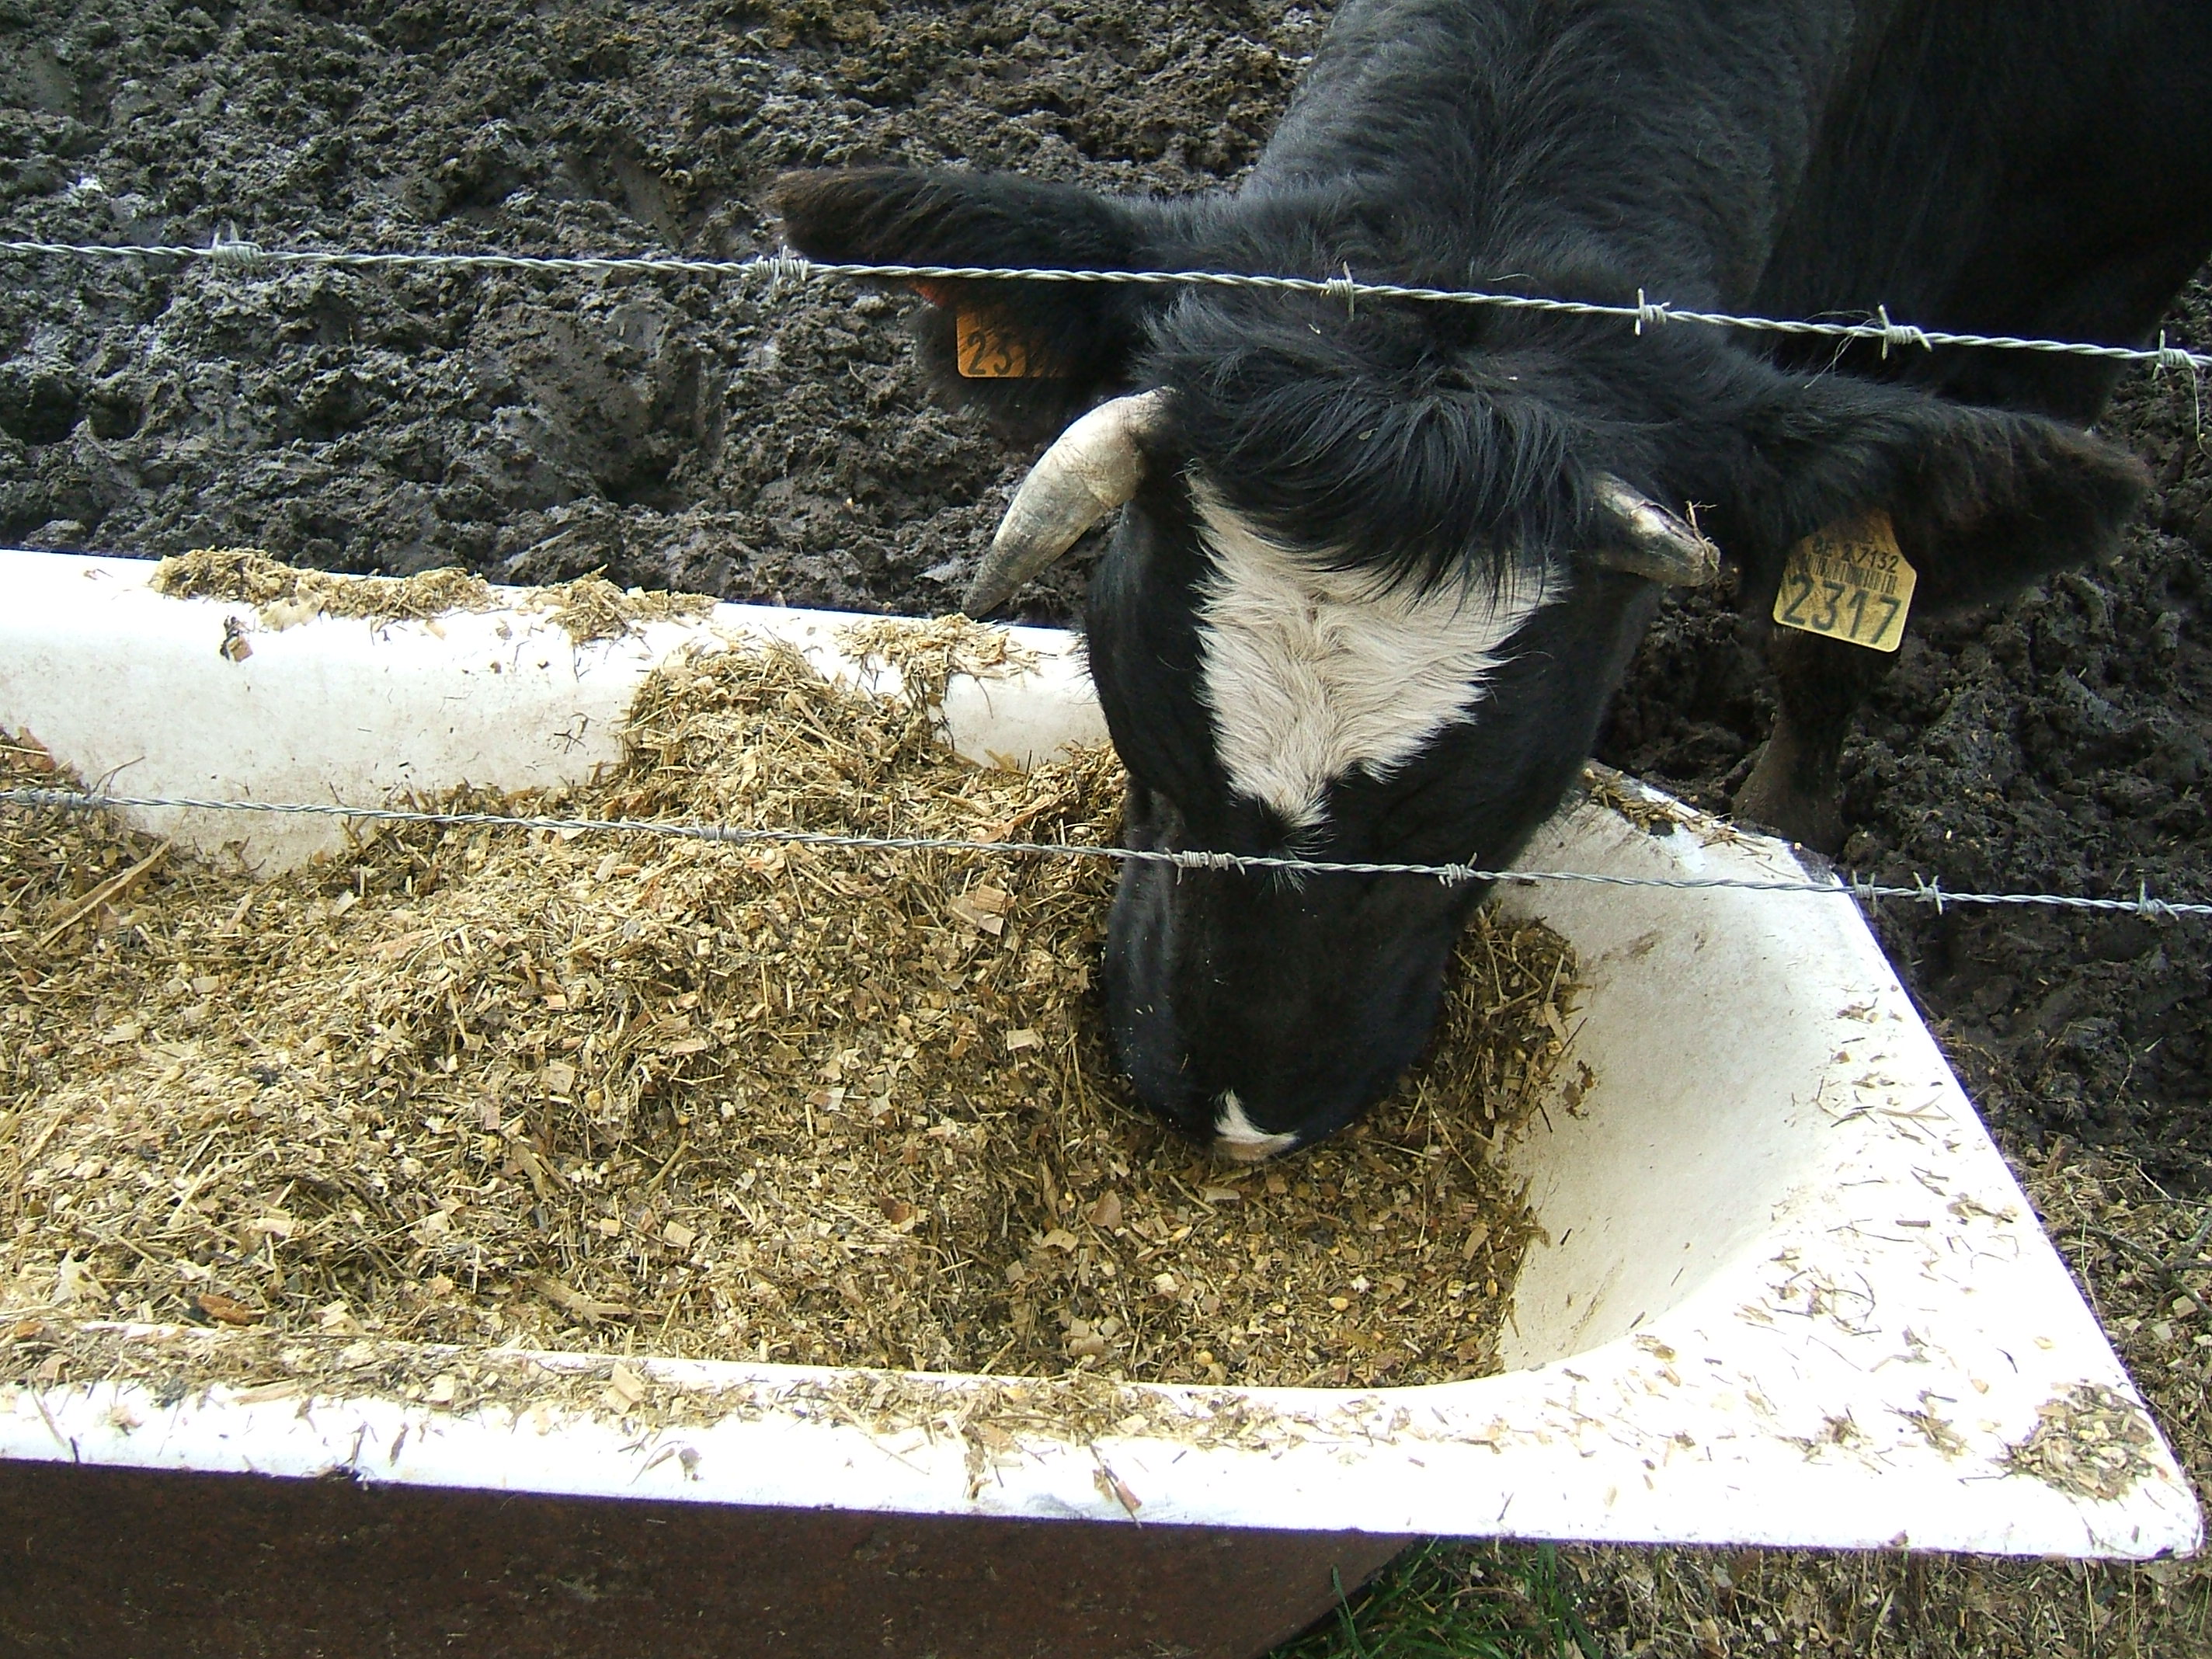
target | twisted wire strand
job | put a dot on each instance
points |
(1922, 891)
(780, 270)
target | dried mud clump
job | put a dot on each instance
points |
(482, 1085)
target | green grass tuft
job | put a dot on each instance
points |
(1446, 1600)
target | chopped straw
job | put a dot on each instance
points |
(589, 608)
(490, 1087)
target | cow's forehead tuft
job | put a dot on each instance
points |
(1311, 672)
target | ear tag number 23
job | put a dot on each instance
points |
(1849, 582)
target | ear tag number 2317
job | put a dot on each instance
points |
(1850, 582)
(987, 350)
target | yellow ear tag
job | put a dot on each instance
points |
(1849, 581)
(988, 352)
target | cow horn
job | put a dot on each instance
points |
(1648, 541)
(1092, 468)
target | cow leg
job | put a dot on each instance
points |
(1792, 787)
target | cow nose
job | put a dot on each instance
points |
(1237, 1139)
(1252, 1151)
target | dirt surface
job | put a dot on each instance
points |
(700, 435)
(777, 446)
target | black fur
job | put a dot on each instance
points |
(2001, 166)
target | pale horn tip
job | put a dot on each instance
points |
(1094, 466)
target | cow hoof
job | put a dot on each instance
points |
(1771, 800)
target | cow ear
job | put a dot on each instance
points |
(1028, 355)
(1984, 501)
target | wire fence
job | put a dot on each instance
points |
(780, 270)
(1922, 891)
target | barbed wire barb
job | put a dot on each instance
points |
(227, 247)
(1348, 287)
(1898, 334)
(2171, 359)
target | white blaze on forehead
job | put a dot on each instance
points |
(1311, 672)
(1236, 1136)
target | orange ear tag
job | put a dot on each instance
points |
(1848, 581)
(986, 351)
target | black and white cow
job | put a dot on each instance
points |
(1381, 567)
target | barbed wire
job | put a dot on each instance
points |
(1922, 891)
(780, 270)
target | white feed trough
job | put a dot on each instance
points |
(1785, 1292)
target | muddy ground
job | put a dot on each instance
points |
(776, 445)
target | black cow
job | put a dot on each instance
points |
(1382, 565)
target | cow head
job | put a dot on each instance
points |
(1376, 573)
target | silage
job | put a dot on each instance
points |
(809, 1105)
(283, 596)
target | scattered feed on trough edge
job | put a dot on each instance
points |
(854, 1110)
(589, 608)
(2088, 1442)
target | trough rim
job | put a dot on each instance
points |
(1626, 1441)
